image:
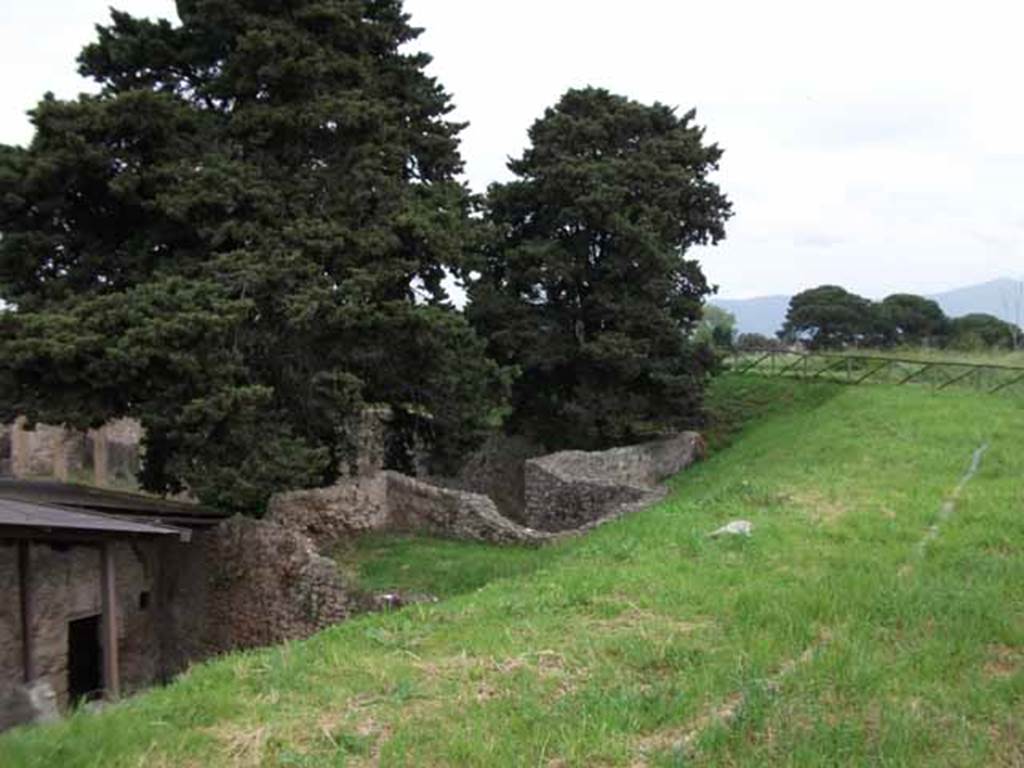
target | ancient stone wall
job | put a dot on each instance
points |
(10, 637)
(248, 583)
(106, 456)
(390, 501)
(265, 584)
(560, 492)
(5, 450)
(65, 583)
(570, 489)
(419, 507)
(496, 470)
(316, 512)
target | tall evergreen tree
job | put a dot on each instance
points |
(239, 241)
(587, 287)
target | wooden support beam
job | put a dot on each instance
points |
(754, 364)
(955, 379)
(831, 366)
(873, 371)
(796, 362)
(28, 656)
(108, 592)
(1005, 384)
(913, 375)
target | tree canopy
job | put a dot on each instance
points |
(586, 286)
(717, 327)
(828, 316)
(240, 240)
(909, 319)
(980, 330)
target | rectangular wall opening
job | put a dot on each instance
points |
(85, 660)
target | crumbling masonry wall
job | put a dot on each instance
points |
(562, 492)
(570, 489)
(390, 501)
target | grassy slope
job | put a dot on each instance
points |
(610, 649)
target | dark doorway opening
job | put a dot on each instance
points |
(85, 660)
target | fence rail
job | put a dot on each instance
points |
(863, 369)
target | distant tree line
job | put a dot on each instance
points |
(830, 317)
(244, 237)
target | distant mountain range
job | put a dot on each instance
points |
(766, 314)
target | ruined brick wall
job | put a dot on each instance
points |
(390, 501)
(419, 507)
(243, 584)
(496, 470)
(249, 583)
(107, 456)
(315, 512)
(267, 584)
(5, 450)
(10, 636)
(570, 489)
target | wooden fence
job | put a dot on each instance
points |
(853, 368)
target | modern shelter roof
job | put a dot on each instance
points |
(26, 519)
(88, 499)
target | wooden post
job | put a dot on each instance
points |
(108, 592)
(28, 661)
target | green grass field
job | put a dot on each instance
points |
(841, 633)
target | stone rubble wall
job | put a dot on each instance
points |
(266, 584)
(334, 514)
(106, 456)
(496, 470)
(562, 492)
(419, 507)
(390, 501)
(570, 489)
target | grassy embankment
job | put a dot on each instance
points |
(831, 637)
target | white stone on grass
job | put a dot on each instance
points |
(735, 528)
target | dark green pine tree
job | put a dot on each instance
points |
(587, 287)
(240, 241)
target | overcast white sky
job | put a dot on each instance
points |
(878, 145)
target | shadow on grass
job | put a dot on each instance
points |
(418, 564)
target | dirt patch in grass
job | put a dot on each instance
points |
(820, 507)
(1003, 661)
(635, 619)
(243, 744)
(487, 678)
